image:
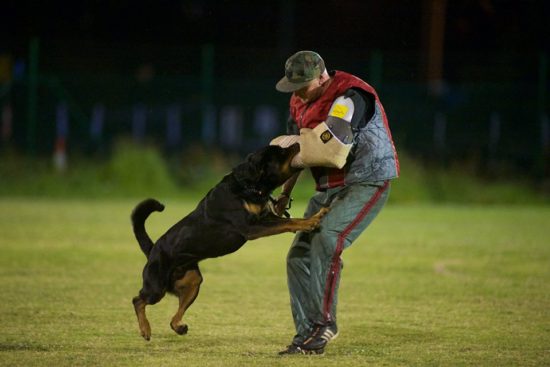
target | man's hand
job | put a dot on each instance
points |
(281, 204)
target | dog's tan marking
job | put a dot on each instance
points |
(253, 208)
(281, 225)
(187, 289)
(286, 169)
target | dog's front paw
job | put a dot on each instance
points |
(313, 222)
(312, 225)
(321, 213)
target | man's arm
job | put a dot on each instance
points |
(291, 126)
(293, 133)
(329, 143)
(364, 107)
(284, 198)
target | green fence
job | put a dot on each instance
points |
(501, 126)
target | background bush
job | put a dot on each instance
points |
(142, 170)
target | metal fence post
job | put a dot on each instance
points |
(440, 133)
(543, 115)
(32, 95)
(376, 66)
(207, 89)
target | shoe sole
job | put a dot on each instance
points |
(315, 352)
(303, 352)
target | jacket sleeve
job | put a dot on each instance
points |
(291, 126)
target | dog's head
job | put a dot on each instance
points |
(267, 168)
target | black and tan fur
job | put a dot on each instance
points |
(233, 212)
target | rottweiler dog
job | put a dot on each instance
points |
(234, 211)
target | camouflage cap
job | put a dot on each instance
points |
(300, 69)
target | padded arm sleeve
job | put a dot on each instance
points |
(329, 143)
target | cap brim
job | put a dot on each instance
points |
(286, 86)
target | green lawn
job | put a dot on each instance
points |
(425, 285)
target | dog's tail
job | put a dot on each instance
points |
(139, 215)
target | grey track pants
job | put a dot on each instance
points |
(313, 261)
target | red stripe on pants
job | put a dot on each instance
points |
(336, 261)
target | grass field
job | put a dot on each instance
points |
(426, 285)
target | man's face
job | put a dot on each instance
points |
(310, 92)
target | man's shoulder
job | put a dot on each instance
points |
(354, 96)
(359, 96)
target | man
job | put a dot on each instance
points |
(346, 141)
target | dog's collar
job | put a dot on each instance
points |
(254, 191)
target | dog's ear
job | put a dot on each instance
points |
(256, 165)
(254, 159)
(250, 171)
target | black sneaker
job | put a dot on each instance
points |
(297, 349)
(332, 331)
(320, 336)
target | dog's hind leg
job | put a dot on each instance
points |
(140, 302)
(187, 289)
(152, 291)
(144, 327)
